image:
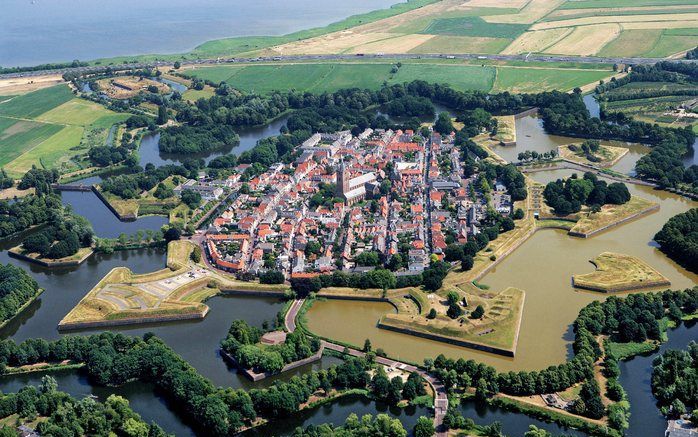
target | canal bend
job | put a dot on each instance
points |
(440, 396)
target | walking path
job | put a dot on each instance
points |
(440, 396)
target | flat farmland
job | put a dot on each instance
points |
(524, 80)
(48, 127)
(474, 26)
(587, 4)
(460, 77)
(19, 136)
(75, 112)
(632, 43)
(37, 102)
(461, 44)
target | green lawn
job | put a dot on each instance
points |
(76, 112)
(460, 77)
(673, 41)
(361, 76)
(523, 80)
(266, 78)
(474, 26)
(49, 152)
(36, 103)
(634, 42)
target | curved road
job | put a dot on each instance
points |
(402, 56)
(440, 395)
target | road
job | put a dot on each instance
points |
(341, 57)
(440, 395)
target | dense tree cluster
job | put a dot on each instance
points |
(104, 156)
(129, 186)
(692, 54)
(567, 196)
(675, 380)
(63, 237)
(382, 425)
(242, 343)
(410, 106)
(195, 139)
(664, 165)
(272, 277)
(16, 289)
(27, 212)
(67, 416)
(678, 238)
(39, 179)
(114, 359)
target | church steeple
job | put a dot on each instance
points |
(342, 180)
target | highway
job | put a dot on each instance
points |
(344, 57)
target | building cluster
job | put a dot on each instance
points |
(351, 203)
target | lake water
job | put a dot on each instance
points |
(149, 152)
(40, 31)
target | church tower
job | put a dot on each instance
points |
(342, 181)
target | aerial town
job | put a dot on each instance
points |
(383, 192)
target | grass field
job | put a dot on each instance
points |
(321, 77)
(540, 79)
(36, 103)
(48, 127)
(474, 26)
(618, 272)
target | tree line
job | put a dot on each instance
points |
(678, 238)
(114, 359)
(16, 289)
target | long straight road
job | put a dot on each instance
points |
(340, 57)
(440, 395)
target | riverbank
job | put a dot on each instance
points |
(22, 308)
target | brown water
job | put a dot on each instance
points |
(530, 135)
(542, 267)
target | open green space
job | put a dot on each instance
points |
(28, 135)
(321, 77)
(524, 80)
(48, 127)
(474, 26)
(36, 103)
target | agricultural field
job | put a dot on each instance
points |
(48, 127)
(596, 27)
(320, 77)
